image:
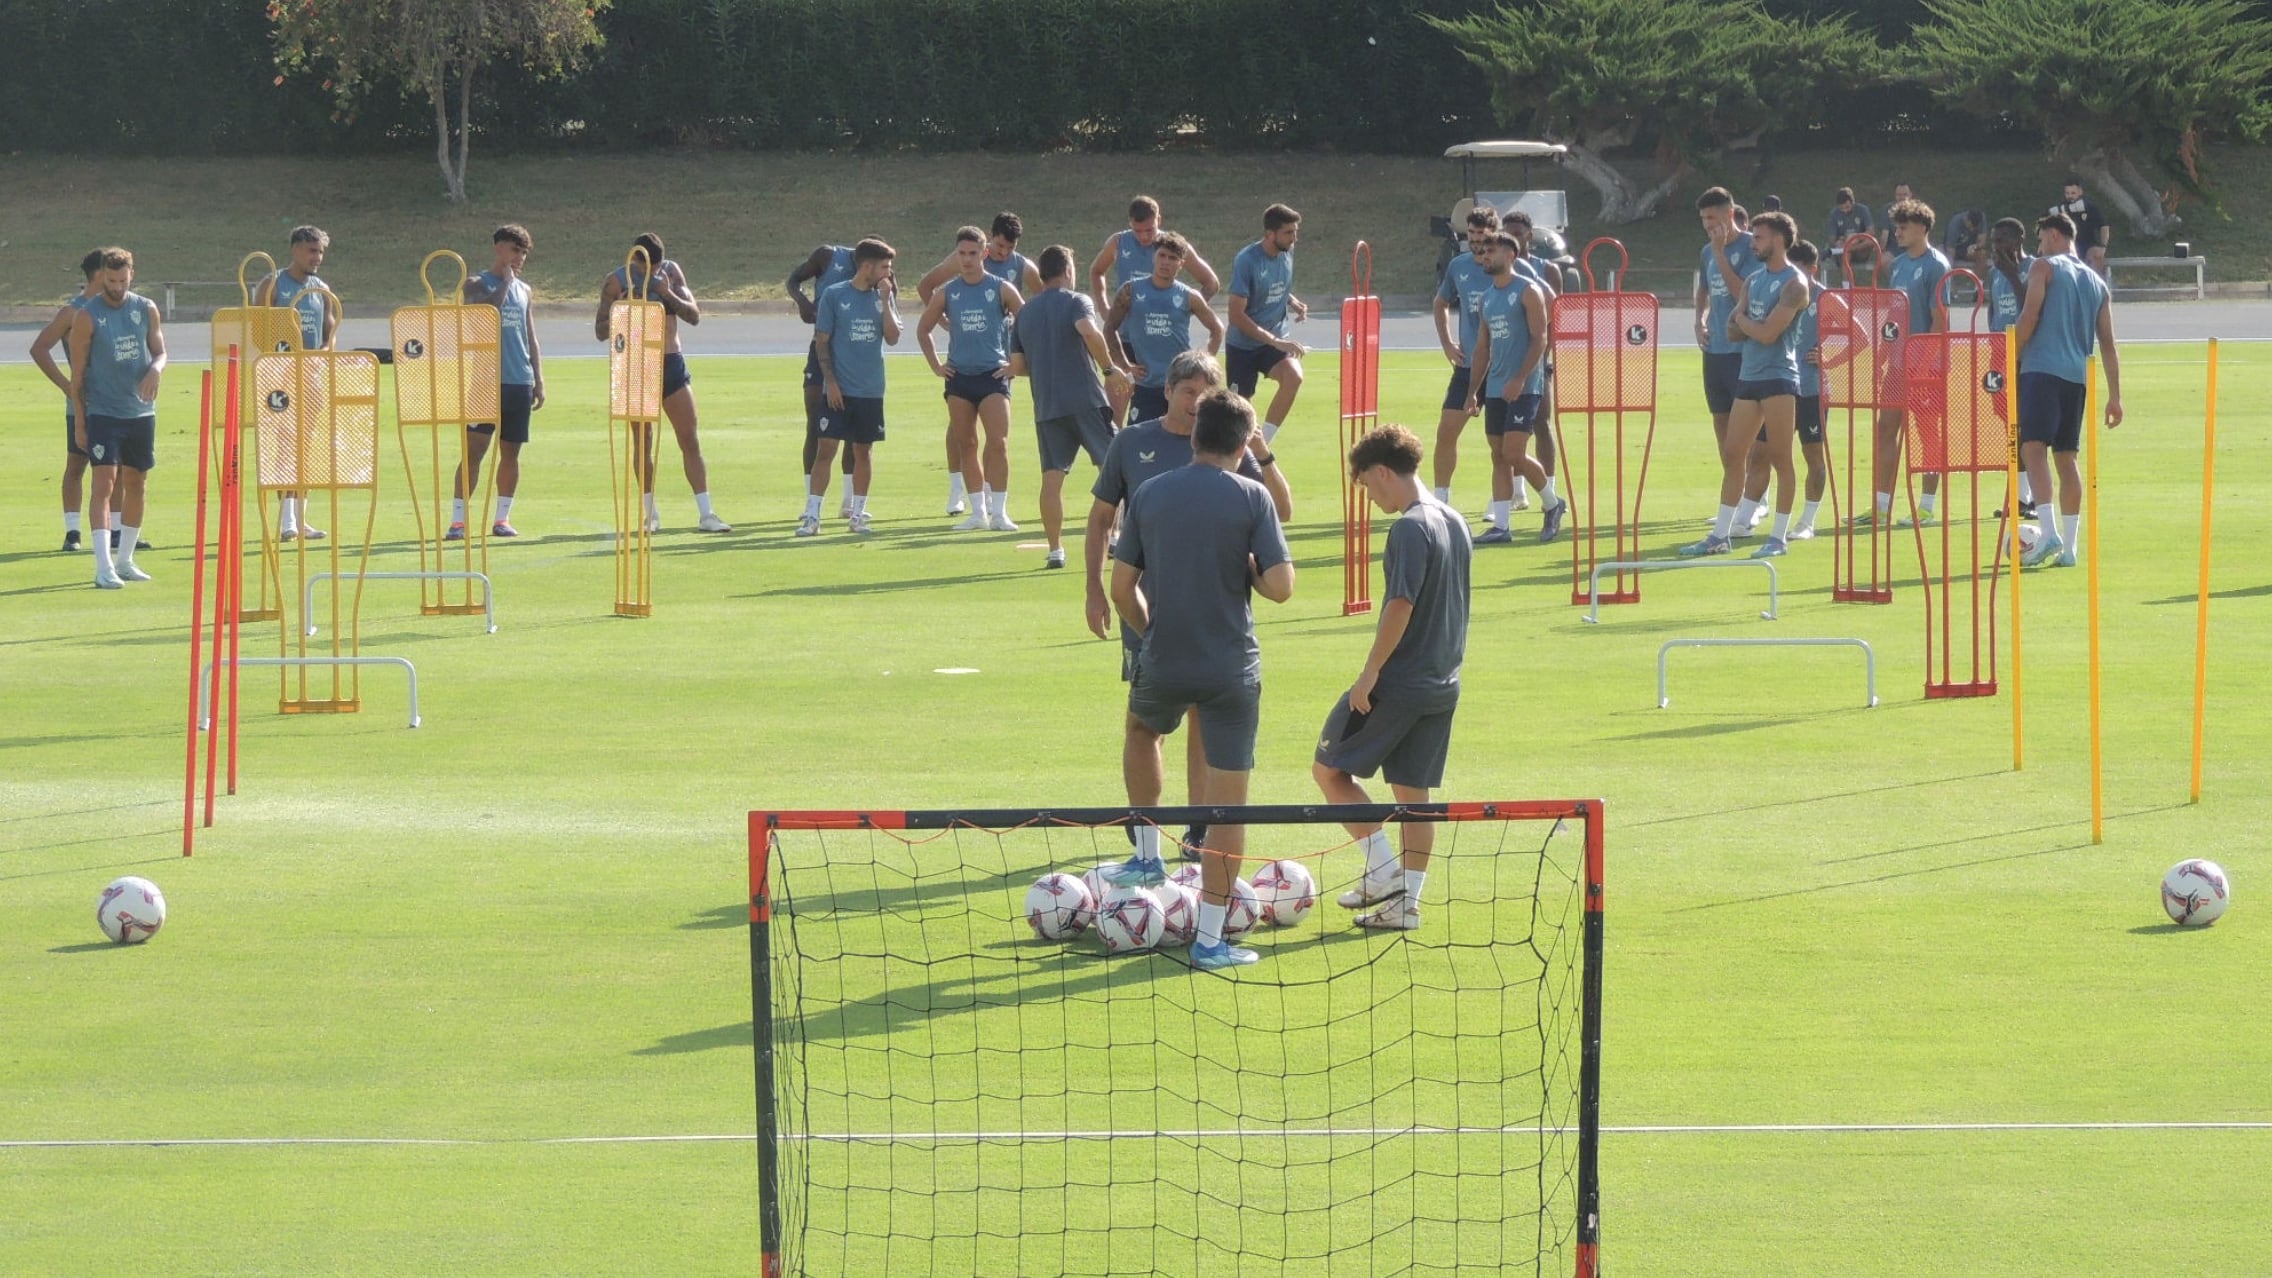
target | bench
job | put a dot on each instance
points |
(2198, 265)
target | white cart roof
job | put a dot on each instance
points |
(1504, 150)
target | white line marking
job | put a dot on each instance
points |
(848, 1138)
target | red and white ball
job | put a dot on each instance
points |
(1245, 910)
(2196, 892)
(1130, 919)
(1286, 891)
(131, 910)
(1179, 913)
(1059, 907)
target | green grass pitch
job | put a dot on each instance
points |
(521, 925)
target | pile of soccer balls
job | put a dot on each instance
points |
(1061, 907)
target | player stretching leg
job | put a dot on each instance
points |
(1510, 351)
(1150, 324)
(1764, 319)
(661, 280)
(1127, 255)
(2069, 307)
(856, 320)
(1262, 299)
(1461, 292)
(1139, 453)
(118, 356)
(58, 333)
(1056, 345)
(318, 328)
(829, 265)
(520, 370)
(1196, 543)
(976, 307)
(1397, 717)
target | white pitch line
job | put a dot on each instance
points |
(856, 1138)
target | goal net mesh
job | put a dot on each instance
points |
(941, 1091)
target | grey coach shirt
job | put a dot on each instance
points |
(1064, 378)
(1190, 532)
(1426, 562)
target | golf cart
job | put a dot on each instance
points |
(1548, 203)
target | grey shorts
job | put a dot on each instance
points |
(1229, 717)
(1405, 743)
(1064, 439)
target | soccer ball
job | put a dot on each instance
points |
(1245, 910)
(1094, 882)
(1286, 892)
(1185, 875)
(1059, 907)
(2030, 533)
(1179, 913)
(1130, 919)
(131, 910)
(2194, 892)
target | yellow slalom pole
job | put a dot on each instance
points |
(2012, 533)
(2201, 608)
(2091, 429)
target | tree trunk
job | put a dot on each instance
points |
(2116, 180)
(1622, 202)
(450, 185)
(465, 129)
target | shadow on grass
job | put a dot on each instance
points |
(2245, 592)
(88, 869)
(699, 1041)
(106, 838)
(1893, 876)
(833, 589)
(2165, 929)
(736, 915)
(1717, 729)
(75, 812)
(1921, 783)
(87, 947)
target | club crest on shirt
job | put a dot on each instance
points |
(1146, 456)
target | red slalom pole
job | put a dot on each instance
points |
(236, 561)
(196, 606)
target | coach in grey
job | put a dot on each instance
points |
(1055, 343)
(1201, 539)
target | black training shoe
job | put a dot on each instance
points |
(1194, 838)
(71, 539)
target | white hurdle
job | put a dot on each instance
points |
(205, 673)
(1869, 659)
(1593, 584)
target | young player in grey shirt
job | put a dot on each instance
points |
(1397, 717)
(1196, 542)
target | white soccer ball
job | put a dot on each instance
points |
(1179, 913)
(2030, 533)
(1059, 907)
(1245, 910)
(131, 910)
(1185, 875)
(1286, 891)
(1094, 882)
(2196, 892)
(1130, 919)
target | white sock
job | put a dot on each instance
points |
(457, 510)
(859, 504)
(653, 512)
(127, 537)
(2027, 489)
(1782, 530)
(2047, 519)
(70, 521)
(1414, 880)
(290, 520)
(1002, 504)
(812, 505)
(2070, 531)
(955, 490)
(1499, 513)
(1723, 524)
(1926, 503)
(702, 505)
(1885, 503)
(504, 508)
(1743, 512)
(1269, 431)
(1444, 495)
(1806, 514)
(1522, 489)
(1147, 843)
(1548, 491)
(985, 500)
(103, 565)
(1210, 924)
(1380, 855)
(114, 521)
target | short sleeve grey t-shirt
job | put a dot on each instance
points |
(1190, 531)
(1144, 451)
(1064, 377)
(1426, 562)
